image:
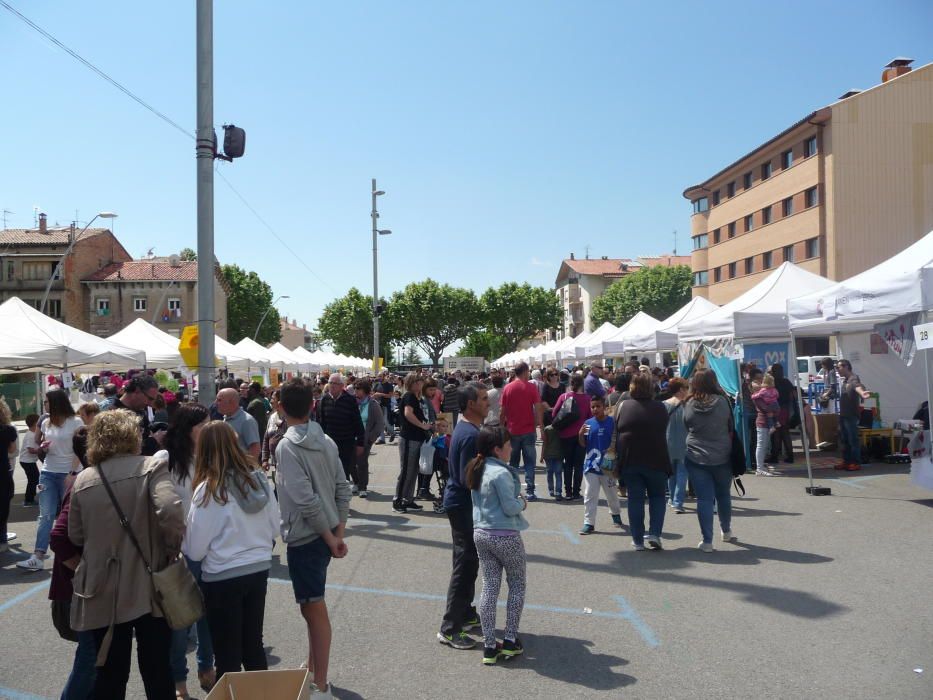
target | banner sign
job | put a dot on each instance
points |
(763, 355)
(899, 336)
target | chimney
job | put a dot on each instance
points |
(571, 256)
(43, 223)
(899, 66)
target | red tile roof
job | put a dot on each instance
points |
(155, 270)
(54, 236)
(610, 266)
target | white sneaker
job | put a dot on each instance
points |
(34, 563)
(763, 472)
(364, 494)
(318, 693)
(638, 547)
(705, 547)
(654, 542)
(354, 489)
(728, 536)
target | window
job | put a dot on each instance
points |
(787, 206)
(787, 159)
(788, 253)
(731, 270)
(809, 197)
(766, 215)
(139, 304)
(103, 307)
(174, 307)
(749, 222)
(730, 189)
(809, 147)
(716, 236)
(749, 265)
(10, 269)
(53, 308)
(766, 170)
(813, 248)
(716, 198)
(700, 278)
(700, 205)
(766, 261)
(717, 274)
(747, 181)
(37, 270)
(698, 242)
(732, 230)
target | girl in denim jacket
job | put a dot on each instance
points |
(497, 523)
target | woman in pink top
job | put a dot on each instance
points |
(571, 450)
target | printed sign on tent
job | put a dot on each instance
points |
(763, 355)
(899, 335)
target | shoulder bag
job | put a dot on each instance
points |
(568, 414)
(176, 591)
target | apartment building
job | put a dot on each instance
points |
(29, 258)
(580, 282)
(295, 336)
(846, 186)
(162, 291)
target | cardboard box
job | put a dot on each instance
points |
(290, 684)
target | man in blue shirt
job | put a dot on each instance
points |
(592, 385)
(460, 615)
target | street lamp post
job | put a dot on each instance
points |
(256, 334)
(376, 309)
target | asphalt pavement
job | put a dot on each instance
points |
(824, 597)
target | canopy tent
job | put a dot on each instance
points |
(565, 347)
(538, 352)
(160, 348)
(235, 358)
(663, 337)
(287, 357)
(306, 359)
(760, 313)
(582, 342)
(258, 355)
(30, 341)
(614, 344)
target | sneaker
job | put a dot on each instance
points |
(34, 563)
(617, 520)
(558, 497)
(654, 542)
(364, 494)
(30, 504)
(706, 547)
(763, 472)
(679, 509)
(638, 546)
(392, 439)
(424, 495)
(490, 655)
(411, 505)
(530, 497)
(471, 624)
(325, 694)
(399, 507)
(456, 641)
(380, 441)
(550, 492)
(510, 649)
(728, 536)
(853, 467)
(587, 529)
(354, 489)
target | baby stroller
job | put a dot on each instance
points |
(441, 470)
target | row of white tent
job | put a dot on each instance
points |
(33, 342)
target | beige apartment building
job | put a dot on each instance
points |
(842, 189)
(295, 336)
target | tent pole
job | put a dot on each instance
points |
(803, 424)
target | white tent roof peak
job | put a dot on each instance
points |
(583, 342)
(614, 343)
(664, 336)
(161, 348)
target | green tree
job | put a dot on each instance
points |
(433, 316)
(515, 311)
(411, 356)
(250, 297)
(347, 323)
(483, 344)
(658, 291)
(188, 254)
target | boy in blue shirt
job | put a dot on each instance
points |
(598, 466)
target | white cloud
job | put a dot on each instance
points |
(538, 263)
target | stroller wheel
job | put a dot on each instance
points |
(439, 508)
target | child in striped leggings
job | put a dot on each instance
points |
(497, 523)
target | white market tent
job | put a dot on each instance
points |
(663, 337)
(306, 359)
(582, 342)
(287, 357)
(565, 348)
(758, 314)
(539, 352)
(160, 348)
(614, 344)
(30, 341)
(257, 354)
(235, 358)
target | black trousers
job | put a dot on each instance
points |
(572, 452)
(153, 645)
(6, 496)
(362, 468)
(463, 575)
(347, 453)
(32, 480)
(235, 612)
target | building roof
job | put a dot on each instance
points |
(287, 325)
(53, 236)
(613, 268)
(152, 270)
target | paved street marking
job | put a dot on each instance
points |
(563, 532)
(10, 694)
(42, 586)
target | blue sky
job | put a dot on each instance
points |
(506, 135)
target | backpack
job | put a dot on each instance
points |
(568, 414)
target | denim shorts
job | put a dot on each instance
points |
(307, 567)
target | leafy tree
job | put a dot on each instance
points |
(658, 291)
(188, 254)
(411, 356)
(433, 315)
(250, 297)
(514, 312)
(347, 323)
(484, 344)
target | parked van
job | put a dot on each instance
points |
(808, 369)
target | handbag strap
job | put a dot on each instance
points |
(123, 521)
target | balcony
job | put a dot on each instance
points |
(574, 294)
(17, 285)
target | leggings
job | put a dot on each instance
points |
(495, 554)
(32, 480)
(6, 495)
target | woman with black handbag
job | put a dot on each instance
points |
(113, 576)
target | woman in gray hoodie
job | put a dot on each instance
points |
(708, 418)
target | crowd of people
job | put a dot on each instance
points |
(123, 491)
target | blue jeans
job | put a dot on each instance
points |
(525, 445)
(51, 493)
(639, 481)
(205, 653)
(555, 467)
(712, 483)
(851, 442)
(677, 483)
(81, 680)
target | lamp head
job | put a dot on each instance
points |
(106, 215)
(379, 193)
(385, 232)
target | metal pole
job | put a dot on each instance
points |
(803, 419)
(61, 261)
(375, 217)
(205, 174)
